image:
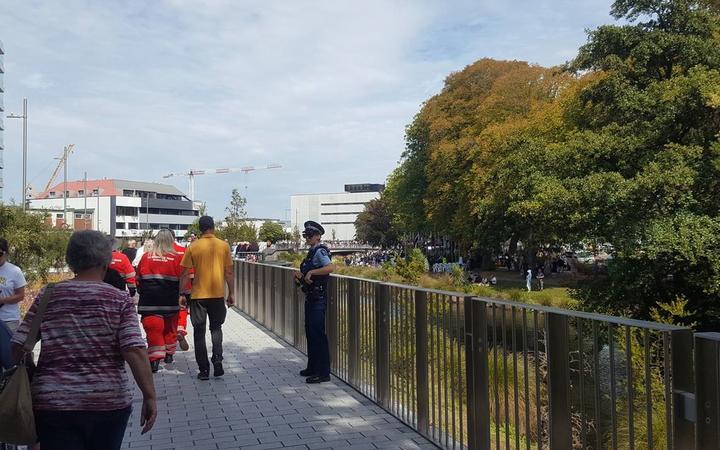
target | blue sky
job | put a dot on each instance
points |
(324, 88)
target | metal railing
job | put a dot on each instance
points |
(481, 373)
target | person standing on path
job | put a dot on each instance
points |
(120, 273)
(131, 250)
(159, 275)
(210, 258)
(541, 277)
(313, 277)
(183, 314)
(528, 279)
(12, 289)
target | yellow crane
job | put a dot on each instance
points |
(63, 159)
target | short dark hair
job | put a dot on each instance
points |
(4, 245)
(88, 249)
(206, 223)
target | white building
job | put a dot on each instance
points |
(120, 208)
(335, 212)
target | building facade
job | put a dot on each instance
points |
(336, 212)
(2, 124)
(120, 208)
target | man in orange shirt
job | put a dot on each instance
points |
(210, 258)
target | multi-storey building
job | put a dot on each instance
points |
(2, 115)
(120, 208)
(336, 212)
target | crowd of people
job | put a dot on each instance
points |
(373, 258)
(92, 325)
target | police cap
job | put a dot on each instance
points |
(312, 227)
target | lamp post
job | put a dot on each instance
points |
(23, 192)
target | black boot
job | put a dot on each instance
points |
(169, 359)
(155, 365)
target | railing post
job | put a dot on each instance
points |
(558, 366)
(331, 322)
(270, 312)
(353, 321)
(421, 361)
(681, 342)
(382, 344)
(707, 394)
(476, 369)
(255, 280)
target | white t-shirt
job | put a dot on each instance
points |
(11, 278)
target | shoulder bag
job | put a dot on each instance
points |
(17, 421)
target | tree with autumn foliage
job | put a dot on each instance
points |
(620, 146)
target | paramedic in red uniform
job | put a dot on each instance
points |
(120, 272)
(159, 286)
(183, 314)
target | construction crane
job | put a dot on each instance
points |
(66, 152)
(191, 174)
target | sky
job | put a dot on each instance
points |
(322, 88)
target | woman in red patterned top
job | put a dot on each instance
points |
(158, 276)
(81, 393)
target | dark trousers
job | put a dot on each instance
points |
(81, 430)
(317, 342)
(200, 311)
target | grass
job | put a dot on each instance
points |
(509, 287)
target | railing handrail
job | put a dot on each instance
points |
(616, 320)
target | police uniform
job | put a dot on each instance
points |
(318, 368)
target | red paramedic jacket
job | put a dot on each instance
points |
(120, 272)
(159, 280)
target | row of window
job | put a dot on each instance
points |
(146, 194)
(80, 193)
(153, 226)
(133, 211)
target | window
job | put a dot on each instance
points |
(51, 194)
(95, 192)
(67, 193)
(120, 225)
(126, 211)
(81, 193)
(59, 215)
(132, 226)
(342, 203)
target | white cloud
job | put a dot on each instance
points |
(324, 88)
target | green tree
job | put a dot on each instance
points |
(271, 231)
(235, 227)
(374, 224)
(652, 124)
(35, 246)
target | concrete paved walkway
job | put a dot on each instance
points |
(262, 403)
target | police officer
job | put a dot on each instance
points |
(313, 277)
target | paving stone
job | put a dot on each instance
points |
(261, 403)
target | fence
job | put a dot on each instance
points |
(481, 373)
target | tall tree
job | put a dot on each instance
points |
(271, 231)
(374, 224)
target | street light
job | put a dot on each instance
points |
(23, 191)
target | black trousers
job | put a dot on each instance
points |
(201, 311)
(81, 430)
(317, 342)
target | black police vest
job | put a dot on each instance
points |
(320, 282)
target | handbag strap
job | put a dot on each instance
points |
(33, 334)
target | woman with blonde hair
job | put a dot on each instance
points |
(158, 276)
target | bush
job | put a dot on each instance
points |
(35, 246)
